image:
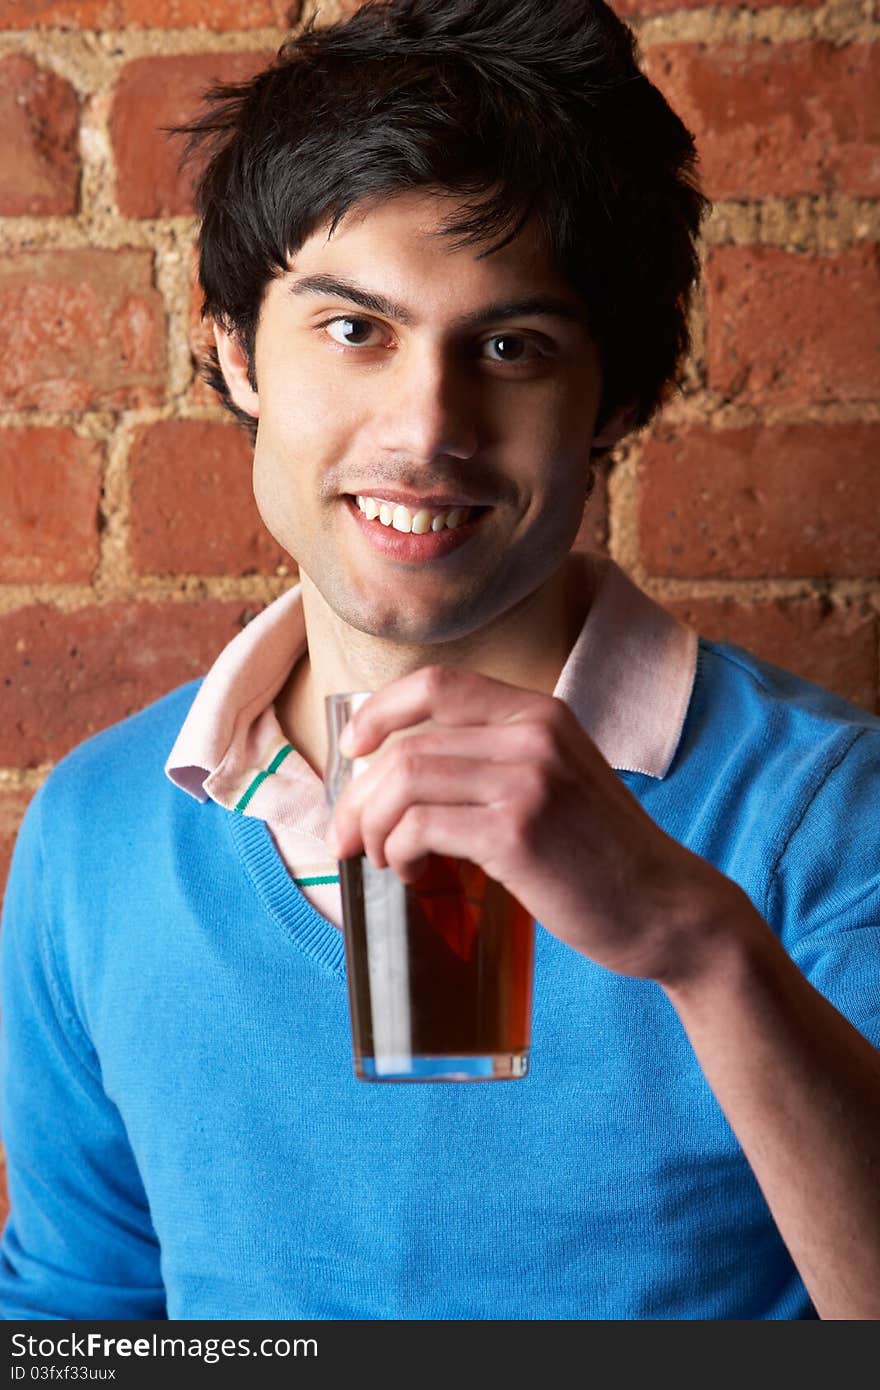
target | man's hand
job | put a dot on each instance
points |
(513, 783)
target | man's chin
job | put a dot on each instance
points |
(405, 631)
(404, 624)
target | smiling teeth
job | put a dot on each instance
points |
(419, 523)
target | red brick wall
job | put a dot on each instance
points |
(752, 508)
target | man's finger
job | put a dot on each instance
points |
(440, 694)
(364, 823)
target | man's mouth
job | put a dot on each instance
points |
(415, 519)
(415, 532)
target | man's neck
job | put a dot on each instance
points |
(528, 647)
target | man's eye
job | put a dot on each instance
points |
(512, 348)
(351, 331)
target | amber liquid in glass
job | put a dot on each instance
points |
(440, 973)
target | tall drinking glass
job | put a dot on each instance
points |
(439, 971)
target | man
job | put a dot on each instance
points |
(448, 248)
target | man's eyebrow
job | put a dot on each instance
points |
(551, 306)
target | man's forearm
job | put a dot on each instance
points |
(801, 1090)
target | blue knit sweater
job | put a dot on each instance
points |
(184, 1132)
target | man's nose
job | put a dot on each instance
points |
(431, 407)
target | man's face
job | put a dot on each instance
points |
(435, 399)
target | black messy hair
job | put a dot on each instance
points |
(519, 107)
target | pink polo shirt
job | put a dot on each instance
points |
(628, 678)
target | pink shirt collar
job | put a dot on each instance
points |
(628, 678)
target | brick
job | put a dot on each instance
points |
(627, 9)
(50, 488)
(787, 328)
(192, 502)
(39, 160)
(150, 14)
(778, 119)
(330, 11)
(789, 501)
(13, 805)
(152, 93)
(834, 647)
(63, 676)
(80, 330)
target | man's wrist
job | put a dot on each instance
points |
(725, 939)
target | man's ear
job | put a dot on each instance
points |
(616, 426)
(234, 365)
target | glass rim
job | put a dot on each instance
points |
(339, 696)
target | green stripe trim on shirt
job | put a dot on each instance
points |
(310, 882)
(261, 777)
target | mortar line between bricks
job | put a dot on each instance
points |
(95, 230)
(171, 277)
(779, 24)
(113, 570)
(183, 589)
(840, 591)
(73, 54)
(24, 779)
(156, 590)
(703, 407)
(101, 423)
(810, 223)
